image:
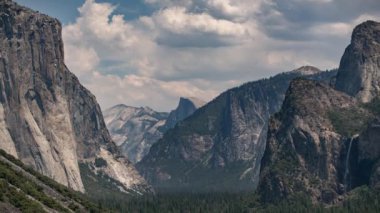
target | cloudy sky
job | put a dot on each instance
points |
(151, 52)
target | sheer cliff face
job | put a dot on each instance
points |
(369, 155)
(325, 142)
(220, 146)
(47, 119)
(185, 108)
(360, 65)
(304, 151)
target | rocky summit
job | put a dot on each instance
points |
(360, 65)
(303, 152)
(185, 108)
(48, 120)
(220, 146)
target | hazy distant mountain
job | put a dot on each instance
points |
(185, 108)
(135, 130)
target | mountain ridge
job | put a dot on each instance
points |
(227, 134)
(136, 129)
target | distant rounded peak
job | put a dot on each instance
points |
(120, 108)
(196, 101)
(307, 70)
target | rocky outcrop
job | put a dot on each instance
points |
(359, 71)
(134, 130)
(219, 147)
(48, 120)
(307, 70)
(185, 108)
(324, 143)
(368, 159)
(304, 152)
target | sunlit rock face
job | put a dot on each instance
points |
(48, 119)
(134, 130)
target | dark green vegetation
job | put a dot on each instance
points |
(350, 121)
(23, 191)
(19, 200)
(353, 120)
(360, 200)
(374, 106)
(100, 162)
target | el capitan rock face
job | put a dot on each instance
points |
(359, 71)
(48, 119)
(219, 147)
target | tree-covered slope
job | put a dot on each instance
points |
(24, 190)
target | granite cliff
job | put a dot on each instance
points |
(48, 120)
(324, 142)
(359, 67)
(304, 152)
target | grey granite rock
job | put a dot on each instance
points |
(304, 151)
(48, 120)
(185, 108)
(359, 71)
(134, 130)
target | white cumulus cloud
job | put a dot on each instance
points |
(202, 47)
